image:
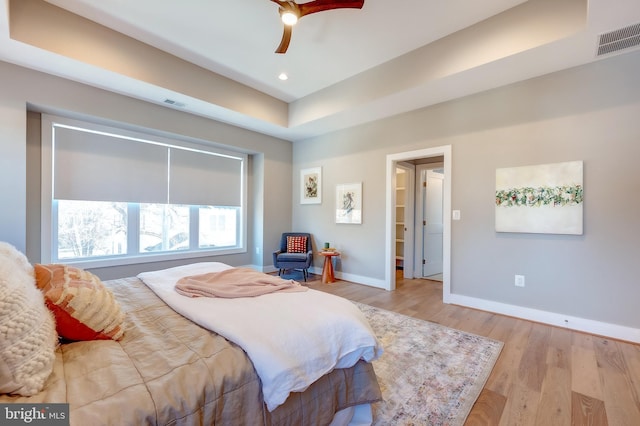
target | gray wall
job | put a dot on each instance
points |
(589, 113)
(26, 90)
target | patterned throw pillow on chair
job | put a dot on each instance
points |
(296, 244)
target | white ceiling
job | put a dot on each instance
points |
(237, 38)
(346, 66)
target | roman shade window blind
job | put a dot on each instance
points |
(100, 166)
(204, 179)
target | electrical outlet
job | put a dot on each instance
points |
(257, 250)
(519, 281)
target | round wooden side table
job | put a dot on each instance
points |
(327, 270)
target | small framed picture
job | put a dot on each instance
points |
(311, 186)
(349, 203)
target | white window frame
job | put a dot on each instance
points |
(47, 211)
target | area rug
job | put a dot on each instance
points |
(429, 374)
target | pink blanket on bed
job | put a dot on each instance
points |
(235, 282)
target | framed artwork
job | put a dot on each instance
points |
(311, 186)
(349, 203)
(543, 199)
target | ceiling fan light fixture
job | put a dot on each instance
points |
(288, 17)
(291, 11)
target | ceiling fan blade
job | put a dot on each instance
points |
(280, 3)
(322, 5)
(286, 38)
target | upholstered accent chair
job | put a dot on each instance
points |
(295, 252)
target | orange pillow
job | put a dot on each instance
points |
(83, 307)
(296, 244)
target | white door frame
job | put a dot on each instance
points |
(390, 251)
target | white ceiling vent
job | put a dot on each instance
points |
(174, 103)
(617, 40)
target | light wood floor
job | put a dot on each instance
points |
(545, 375)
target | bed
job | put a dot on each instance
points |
(166, 370)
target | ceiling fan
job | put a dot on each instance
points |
(290, 12)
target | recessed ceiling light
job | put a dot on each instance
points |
(283, 76)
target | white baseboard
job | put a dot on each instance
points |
(598, 328)
(614, 331)
(358, 279)
(267, 269)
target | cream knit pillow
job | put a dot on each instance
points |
(28, 336)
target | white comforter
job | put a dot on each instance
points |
(292, 338)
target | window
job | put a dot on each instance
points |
(164, 227)
(87, 229)
(112, 196)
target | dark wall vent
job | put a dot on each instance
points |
(175, 103)
(617, 40)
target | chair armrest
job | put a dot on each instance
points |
(275, 257)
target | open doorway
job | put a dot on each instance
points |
(443, 155)
(404, 222)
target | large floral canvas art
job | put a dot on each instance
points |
(545, 199)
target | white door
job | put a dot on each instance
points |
(432, 184)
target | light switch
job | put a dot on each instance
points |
(456, 215)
